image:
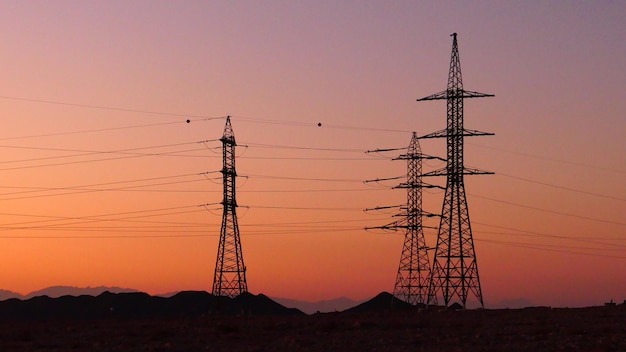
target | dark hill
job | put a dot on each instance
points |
(382, 302)
(262, 305)
(139, 305)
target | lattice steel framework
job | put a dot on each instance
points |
(413, 276)
(230, 272)
(454, 274)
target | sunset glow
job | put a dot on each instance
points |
(104, 183)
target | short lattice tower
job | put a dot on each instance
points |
(413, 276)
(230, 272)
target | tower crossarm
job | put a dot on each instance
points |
(381, 150)
(438, 134)
(469, 133)
(466, 171)
(382, 207)
(455, 93)
(384, 179)
(444, 134)
(471, 171)
(417, 185)
(418, 156)
(393, 226)
(402, 223)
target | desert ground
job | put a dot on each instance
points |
(529, 329)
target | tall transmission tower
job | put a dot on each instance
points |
(230, 272)
(454, 274)
(412, 279)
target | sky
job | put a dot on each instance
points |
(102, 181)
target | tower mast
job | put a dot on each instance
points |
(230, 272)
(454, 274)
(414, 269)
(412, 279)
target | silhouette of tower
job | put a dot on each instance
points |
(230, 272)
(412, 279)
(455, 271)
(414, 270)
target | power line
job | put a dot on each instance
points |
(99, 130)
(306, 178)
(103, 107)
(550, 159)
(169, 225)
(578, 239)
(593, 240)
(182, 235)
(310, 190)
(84, 220)
(126, 188)
(301, 230)
(277, 146)
(297, 223)
(547, 247)
(115, 182)
(561, 187)
(317, 125)
(132, 156)
(305, 158)
(304, 208)
(549, 211)
(128, 151)
(544, 248)
(93, 218)
(254, 120)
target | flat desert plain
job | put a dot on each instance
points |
(529, 329)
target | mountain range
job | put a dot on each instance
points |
(59, 291)
(322, 306)
(140, 305)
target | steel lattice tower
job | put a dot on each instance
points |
(455, 271)
(230, 272)
(413, 275)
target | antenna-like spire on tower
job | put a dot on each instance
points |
(230, 272)
(454, 274)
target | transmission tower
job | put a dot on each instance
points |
(230, 272)
(414, 269)
(454, 274)
(413, 274)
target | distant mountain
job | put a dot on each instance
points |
(4, 295)
(140, 305)
(383, 301)
(59, 291)
(323, 306)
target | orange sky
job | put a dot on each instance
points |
(101, 178)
